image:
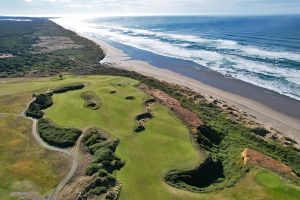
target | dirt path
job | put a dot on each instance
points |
(72, 153)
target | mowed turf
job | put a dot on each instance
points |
(24, 165)
(277, 187)
(163, 146)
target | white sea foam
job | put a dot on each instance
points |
(234, 64)
(17, 20)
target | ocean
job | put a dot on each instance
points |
(261, 50)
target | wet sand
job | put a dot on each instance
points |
(268, 107)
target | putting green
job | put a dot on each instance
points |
(277, 187)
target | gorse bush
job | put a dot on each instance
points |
(68, 88)
(224, 139)
(42, 101)
(57, 136)
(104, 162)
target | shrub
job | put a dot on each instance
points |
(98, 190)
(68, 88)
(42, 101)
(103, 154)
(260, 131)
(102, 172)
(57, 136)
(91, 169)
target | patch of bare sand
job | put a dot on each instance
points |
(53, 43)
(6, 55)
(254, 157)
(270, 118)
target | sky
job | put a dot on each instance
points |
(147, 7)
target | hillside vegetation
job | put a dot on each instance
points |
(25, 41)
(167, 160)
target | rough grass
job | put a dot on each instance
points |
(57, 136)
(164, 146)
(148, 156)
(24, 165)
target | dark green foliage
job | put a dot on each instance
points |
(130, 98)
(110, 144)
(42, 101)
(104, 162)
(210, 134)
(139, 128)
(209, 172)
(68, 88)
(101, 185)
(102, 147)
(103, 154)
(144, 116)
(260, 131)
(98, 190)
(92, 169)
(19, 38)
(235, 137)
(102, 172)
(149, 101)
(57, 136)
(225, 139)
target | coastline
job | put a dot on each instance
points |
(287, 124)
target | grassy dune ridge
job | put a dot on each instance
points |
(164, 145)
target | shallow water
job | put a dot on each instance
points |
(264, 51)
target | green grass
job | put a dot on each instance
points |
(164, 145)
(276, 186)
(24, 165)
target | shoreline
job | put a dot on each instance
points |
(288, 125)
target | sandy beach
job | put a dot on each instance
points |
(288, 125)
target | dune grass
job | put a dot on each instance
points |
(24, 165)
(164, 145)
